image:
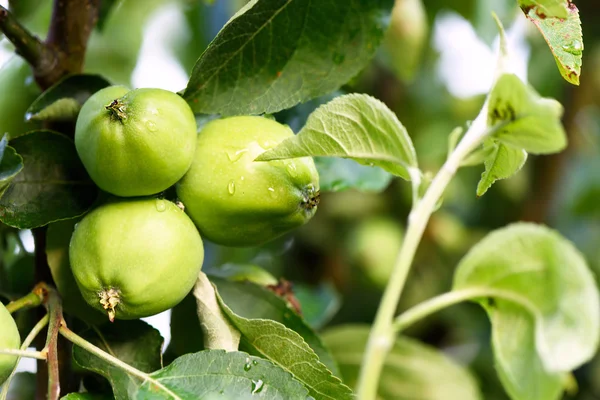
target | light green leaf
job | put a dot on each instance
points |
(518, 364)
(503, 162)
(355, 126)
(411, 371)
(215, 374)
(543, 295)
(545, 8)
(286, 349)
(255, 302)
(274, 54)
(565, 39)
(525, 119)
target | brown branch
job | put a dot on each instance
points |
(28, 46)
(70, 28)
(56, 321)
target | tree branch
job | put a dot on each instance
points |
(70, 28)
(28, 46)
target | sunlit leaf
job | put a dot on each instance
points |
(565, 39)
(215, 374)
(353, 126)
(503, 162)
(526, 120)
(542, 296)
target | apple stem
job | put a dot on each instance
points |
(117, 109)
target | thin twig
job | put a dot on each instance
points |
(28, 45)
(33, 299)
(26, 343)
(40, 355)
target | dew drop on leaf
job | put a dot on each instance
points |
(248, 365)
(257, 386)
(231, 187)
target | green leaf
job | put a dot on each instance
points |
(11, 164)
(215, 374)
(544, 297)
(545, 8)
(253, 302)
(53, 184)
(411, 371)
(134, 342)
(524, 119)
(287, 349)
(565, 39)
(217, 330)
(62, 101)
(338, 174)
(274, 54)
(353, 126)
(503, 162)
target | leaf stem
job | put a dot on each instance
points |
(26, 343)
(382, 334)
(445, 300)
(89, 347)
(40, 355)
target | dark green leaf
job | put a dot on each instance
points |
(526, 120)
(412, 370)
(215, 374)
(353, 126)
(544, 297)
(565, 39)
(134, 342)
(284, 347)
(277, 53)
(502, 162)
(53, 184)
(11, 164)
(62, 101)
(254, 302)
